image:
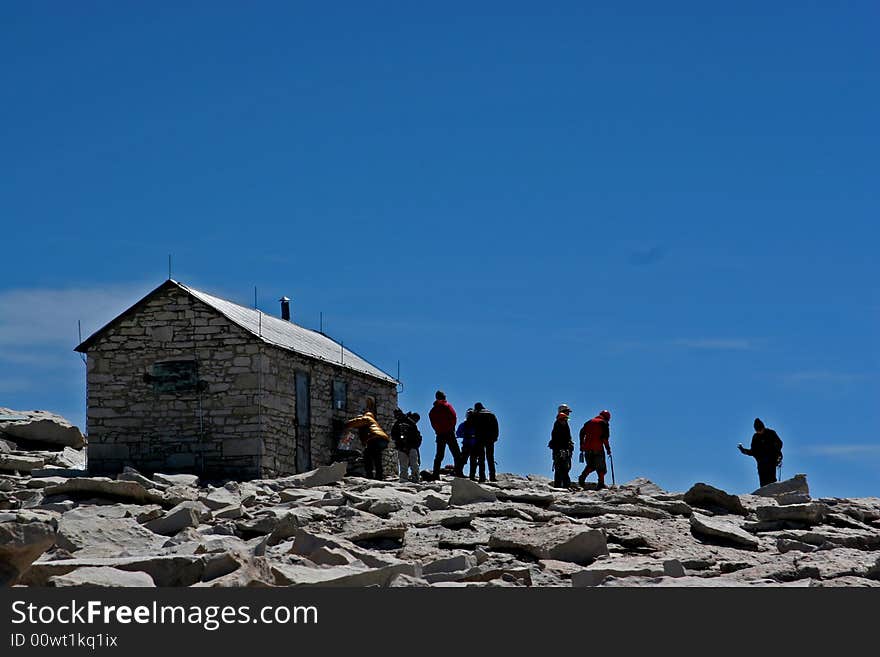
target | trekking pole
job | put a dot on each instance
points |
(611, 459)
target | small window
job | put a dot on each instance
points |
(340, 395)
(173, 376)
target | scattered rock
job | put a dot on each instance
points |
(714, 529)
(465, 491)
(85, 532)
(20, 463)
(178, 518)
(808, 514)
(797, 484)
(101, 577)
(103, 487)
(176, 479)
(39, 427)
(711, 498)
(573, 543)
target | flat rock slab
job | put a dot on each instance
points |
(714, 529)
(40, 427)
(20, 463)
(96, 536)
(465, 491)
(525, 496)
(170, 570)
(809, 514)
(594, 574)
(840, 562)
(797, 484)
(176, 479)
(698, 582)
(830, 536)
(704, 495)
(574, 543)
(323, 476)
(101, 577)
(593, 509)
(103, 487)
(298, 575)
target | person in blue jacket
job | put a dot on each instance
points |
(465, 432)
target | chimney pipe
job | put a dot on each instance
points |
(285, 308)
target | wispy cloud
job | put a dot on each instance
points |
(845, 451)
(705, 344)
(41, 316)
(717, 344)
(822, 376)
(647, 256)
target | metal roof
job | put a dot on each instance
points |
(271, 330)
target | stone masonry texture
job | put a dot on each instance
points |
(239, 422)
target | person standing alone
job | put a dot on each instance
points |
(766, 448)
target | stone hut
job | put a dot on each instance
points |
(184, 381)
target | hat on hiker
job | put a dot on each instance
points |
(563, 408)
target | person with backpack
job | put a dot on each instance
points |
(486, 434)
(595, 435)
(562, 447)
(465, 432)
(374, 439)
(407, 439)
(766, 448)
(443, 420)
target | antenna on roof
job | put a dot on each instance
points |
(399, 384)
(80, 329)
(169, 266)
(342, 349)
(255, 297)
(321, 330)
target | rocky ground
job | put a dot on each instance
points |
(60, 527)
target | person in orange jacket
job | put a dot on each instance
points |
(595, 435)
(374, 439)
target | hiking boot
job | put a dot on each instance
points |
(582, 481)
(482, 480)
(601, 486)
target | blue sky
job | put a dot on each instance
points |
(667, 211)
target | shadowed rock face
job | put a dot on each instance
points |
(323, 528)
(23, 538)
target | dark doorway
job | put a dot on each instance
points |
(303, 422)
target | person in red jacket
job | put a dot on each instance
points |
(443, 420)
(595, 435)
